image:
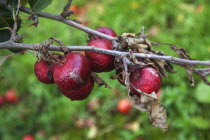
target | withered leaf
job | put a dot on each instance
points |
(150, 104)
(160, 65)
(206, 81)
(203, 73)
(168, 67)
(181, 52)
(131, 41)
(99, 81)
(189, 68)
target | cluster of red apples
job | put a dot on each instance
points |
(73, 73)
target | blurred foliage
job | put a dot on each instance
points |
(45, 113)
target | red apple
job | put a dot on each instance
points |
(124, 106)
(28, 137)
(146, 79)
(100, 62)
(74, 73)
(104, 30)
(43, 71)
(80, 93)
(11, 96)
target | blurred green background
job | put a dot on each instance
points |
(45, 113)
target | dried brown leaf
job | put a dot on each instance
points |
(160, 66)
(189, 68)
(150, 104)
(181, 52)
(168, 67)
(158, 114)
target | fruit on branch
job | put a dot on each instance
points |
(121, 73)
(28, 137)
(11, 96)
(146, 79)
(2, 100)
(124, 106)
(44, 71)
(100, 62)
(73, 73)
(80, 93)
(104, 30)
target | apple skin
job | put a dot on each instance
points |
(100, 62)
(28, 137)
(146, 79)
(11, 96)
(124, 106)
(44, 71)
(74, 73)
(80, 93)
(104, 30)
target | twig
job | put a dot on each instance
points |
(14, 37)
(69, 22)
(66, 11)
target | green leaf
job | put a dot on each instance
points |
(202, 93)
(6, 23)
(12, 3)
(4, 35)
(24, 2)
(38, 5)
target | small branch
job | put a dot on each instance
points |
(15, 17)
(14, 37)
(66, 11)
(69, 22)
(203, 72)
(10, 45)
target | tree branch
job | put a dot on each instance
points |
(14, 36)
(65, 13)
(10, 45)
(69, 22)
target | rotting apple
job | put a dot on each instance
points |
(44, 71)
(80, 93)
(73, 73)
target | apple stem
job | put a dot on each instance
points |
(55, 58)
